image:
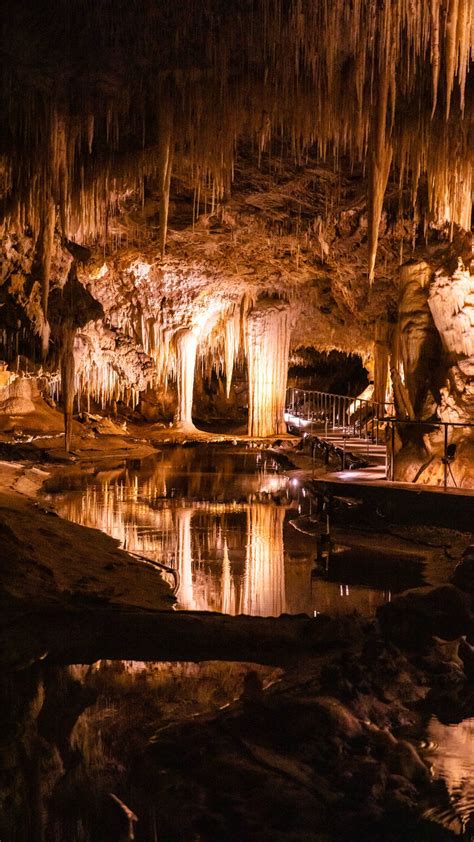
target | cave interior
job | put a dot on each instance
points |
(248, 225)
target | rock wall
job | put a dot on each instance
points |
(433, 371)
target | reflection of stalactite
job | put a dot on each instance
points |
(186, 347)
(264, 585)
(184, 558)
(67, 380)
(267, 349)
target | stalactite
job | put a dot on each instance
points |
(267, 344)
(451, 49)
(165, 168)
(435, 51)
(380, 151)
(232, 346)
(312, 73)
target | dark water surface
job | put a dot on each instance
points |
(221, 517)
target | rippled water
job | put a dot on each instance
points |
(450, 751)
(221, 518)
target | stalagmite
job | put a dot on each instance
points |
(264, 584)
(67, 380)
(267, 344)
(46, 247)
(185, 342)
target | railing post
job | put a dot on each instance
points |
(445, 459)
(393, 452)
(333, 413)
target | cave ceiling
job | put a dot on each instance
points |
(296, 149)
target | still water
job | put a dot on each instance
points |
(450, 751)
(222, 519)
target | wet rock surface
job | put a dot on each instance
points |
(328, 752)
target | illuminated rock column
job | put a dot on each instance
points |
(267, 348)
(451, 301)
(264, 584)
(418, 345)
(186, 347)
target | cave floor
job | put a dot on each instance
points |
(73, 596)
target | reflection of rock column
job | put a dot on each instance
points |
(186, 346)
(264, 585)
(267, 348)
(227, 588)
(184, 558)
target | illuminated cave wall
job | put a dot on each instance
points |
(432, 367)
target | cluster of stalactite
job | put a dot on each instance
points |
(101, 99)
(101, 367)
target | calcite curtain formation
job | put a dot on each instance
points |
(186, 347)
(267, 349)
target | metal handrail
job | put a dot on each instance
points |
(338, 411)
(342, 412)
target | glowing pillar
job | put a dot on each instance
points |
(186, 347)
(267, 347)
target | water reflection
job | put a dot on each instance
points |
(450, 749)
(221, 520)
